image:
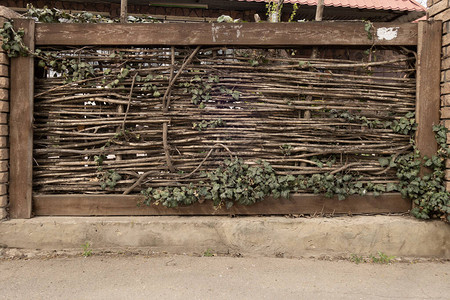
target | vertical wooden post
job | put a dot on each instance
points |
(21, 127)
(123, 11)
(319, 10)
(428, 85)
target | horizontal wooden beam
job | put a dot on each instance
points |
(116, 205)
(242, 34)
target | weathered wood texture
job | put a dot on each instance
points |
(260, 34)
(8, 13)
(21, 127)
(428, 85)
(115, 205)
(123, 11)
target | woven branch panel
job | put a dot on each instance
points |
(160, 116)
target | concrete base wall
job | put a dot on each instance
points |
(268, 236)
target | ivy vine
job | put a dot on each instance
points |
(208, 124)
(427, 191)
(72, 70)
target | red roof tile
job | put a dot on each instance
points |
(399, 5)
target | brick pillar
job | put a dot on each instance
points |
(4, 109)
(4, 117)
(440, 10)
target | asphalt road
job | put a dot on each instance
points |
(186, 277)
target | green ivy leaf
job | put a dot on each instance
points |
(383, 161)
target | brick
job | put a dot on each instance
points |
(3, 201)
(4, 142)
(445, 52)
(437, 8)
(445, 100)
(445, 27)
(3, 213)
(4, 82)
(4, 177)
(445, 88)
(446, 40)
(447, 186)
(4, 130)
(432, 2)
(4, 95)
(445, 63)
(4, 106)
(4, 166)
(3, 189)
(447, 174)
(4, 154)
(3, 118)
(443, 16)
(445, 113)
(445, 76)
(4, 70)
(4, 59)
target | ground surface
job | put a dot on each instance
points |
(187, 277)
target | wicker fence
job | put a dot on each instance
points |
(158, 110)
(292, 116)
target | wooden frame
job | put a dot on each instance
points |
(428, 93)
(21, 127)
(425, 35)
(113, 205)
(245, 34)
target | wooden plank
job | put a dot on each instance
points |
(259, 34)
(21, 127)
(116, 205)
(428, 85)
(8, 13)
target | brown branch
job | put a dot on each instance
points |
(146, 174)
(393, 159)
(129, 102)
(199, 166)
(166, 100)
(206, 157)
(138, 182)
(345, 167)
(166, 148)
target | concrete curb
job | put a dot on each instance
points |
(268, 236)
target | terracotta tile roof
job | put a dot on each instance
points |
(396, 5)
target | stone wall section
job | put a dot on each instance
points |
(440, 10)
